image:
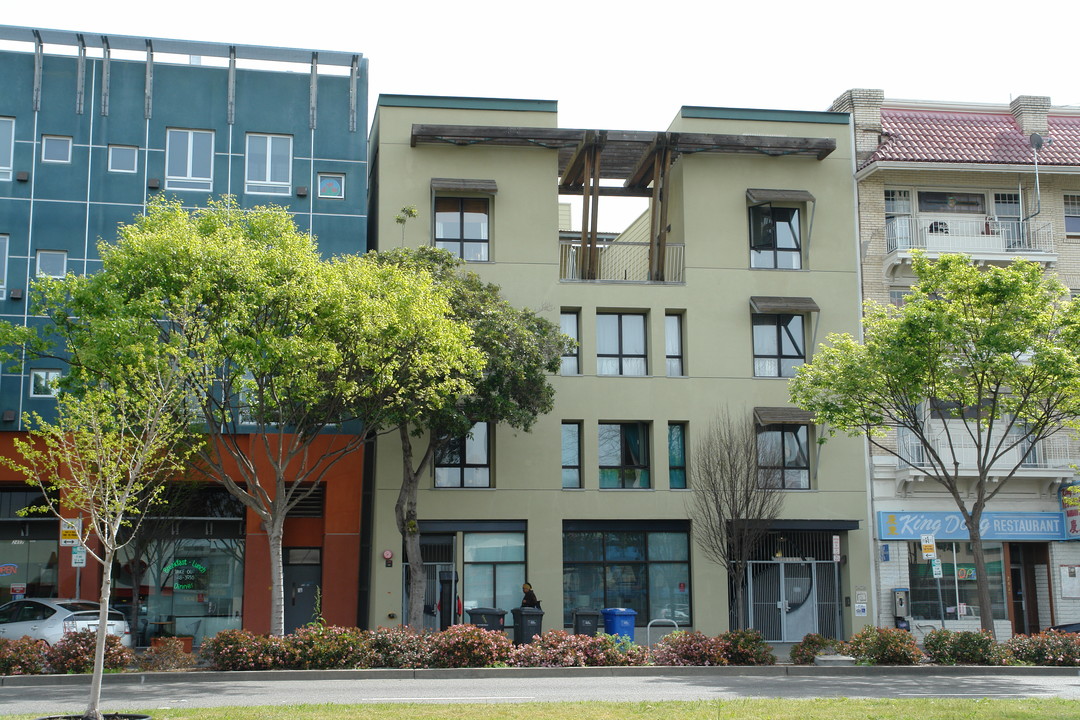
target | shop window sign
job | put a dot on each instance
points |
(187, 574)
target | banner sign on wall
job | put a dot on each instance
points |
(950, 526)
(1070, 508)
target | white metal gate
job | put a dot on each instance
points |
(790, 598)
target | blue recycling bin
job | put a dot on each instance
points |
(619, 621)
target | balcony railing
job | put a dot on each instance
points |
(621, 261)
(1055, 453)
(949, 233)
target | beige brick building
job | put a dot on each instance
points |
(949, 177)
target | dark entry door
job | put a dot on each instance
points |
(303, 576)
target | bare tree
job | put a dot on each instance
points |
(735, 481)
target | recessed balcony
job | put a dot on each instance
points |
(620, 261)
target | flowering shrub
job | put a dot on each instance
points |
(882, 646)
(74, 653)
(558, 648)
(319, 647)
(747, 647)
(690, 648)
(24, 656)
(243, 650)
(461, 646)
(168, 654)
(1046, 648)
(398, 647)
(812, 645)
(966, 647)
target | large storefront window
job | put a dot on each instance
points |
(646, 571)
(29, 548)
(494, 570)
(184, 575)
(959, 596)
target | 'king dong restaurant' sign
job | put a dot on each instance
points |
(950, 526)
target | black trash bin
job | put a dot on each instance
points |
(528, 621)
(586, 622)
(487, 618)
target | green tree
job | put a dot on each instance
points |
(291, 361)
(105, 459)
(962, 383)
(520, 350)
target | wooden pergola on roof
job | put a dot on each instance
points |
(627, 155)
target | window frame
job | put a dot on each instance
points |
(114, 168)
(5, 244)
(461, 241)
(630, 475)
(45, 142)
(266, 184)
(573, 454)
(571, 319)
(188, 181)
(779, 356)
(676, 443)
(674, 321)
(339, 177)
(38, 272)
(801, 434)
(621, 355)
(499, 570)
(48, 376)
(764, 239)
(462, 465)
(1071, 199)
(7, 147)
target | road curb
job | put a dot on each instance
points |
(775, 671)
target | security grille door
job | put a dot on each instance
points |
(765, 612)
(431, 596)
(790, 599)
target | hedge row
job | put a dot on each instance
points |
(459, 646)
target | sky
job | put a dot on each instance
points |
(632, 65)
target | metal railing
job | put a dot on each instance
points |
(621, 261)
(1055, 453)
(945, 233)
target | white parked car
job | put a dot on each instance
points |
(48, 619)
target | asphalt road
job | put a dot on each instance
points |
(195, 693)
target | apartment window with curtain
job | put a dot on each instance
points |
(673, 344)
(784, 456)
(624, 455)
(677, 456)
(461, 227)
(620, 344)
(779, 344)
(465, 462)
(569, 321)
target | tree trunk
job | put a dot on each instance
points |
(982, 582)
(92, 708)
(405, 516)
(277, 581)
(738, 581)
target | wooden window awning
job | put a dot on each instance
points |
(464, 185)
(759, 196)
(782, 416)
(793, 305)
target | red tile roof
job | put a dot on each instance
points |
(971, 137)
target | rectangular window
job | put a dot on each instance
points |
(465, 462)
(269, 164)
(55, 149)
(620, 344)
(960, 599)
(1072, 211)
(332, 185)
(189, 160)
(43, 382)
(3, 263)
(624, 455)
(51, 263)
(7, 147)
(784, 456)
(123, 158)
(673, 345)
(676, 442)
(571, 361)
(779, 345)
(952, 202)
(643, 570)
(898, 232)
(461, 226)
(494, 570)
(571, 455)
(775, 237)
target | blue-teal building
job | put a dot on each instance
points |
(91, 127)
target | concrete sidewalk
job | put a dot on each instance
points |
(776, 671)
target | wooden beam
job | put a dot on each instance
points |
(609, 191)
